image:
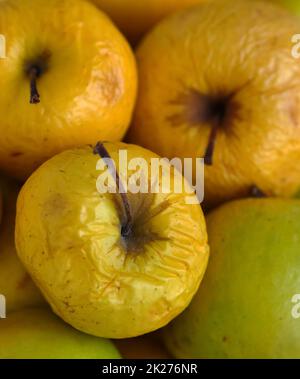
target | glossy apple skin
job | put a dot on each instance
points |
(244, 306)
(39, 334)
(68, 237)
(247, 58)
(135, 18)
(87, 86)
(15, 283)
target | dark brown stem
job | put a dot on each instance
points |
(104, 154)
(208, 156)
(34, 94)
(256, 192)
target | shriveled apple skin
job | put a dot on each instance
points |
(134, 18)
(15, 283)
(68, 237)
(87, 86)
(227, 48)
(39, 334)
(244, 306)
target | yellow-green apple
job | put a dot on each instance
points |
(249, 303)
(39, 334)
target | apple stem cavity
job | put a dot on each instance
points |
(218, 112)
(34, 94)
(126, 228)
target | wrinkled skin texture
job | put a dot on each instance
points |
(135, 18)
(39, 334)
(68, 237)
(239, 53)
(87, 84)
(15, 283)
(243, 308)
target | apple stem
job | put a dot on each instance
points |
(34, 94)
(104, 154)
(208, 156)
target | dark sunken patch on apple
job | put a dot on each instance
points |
(218, 110)
(134, 212)
(34, 69)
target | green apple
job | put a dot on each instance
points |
(39, 334)
(248, 305)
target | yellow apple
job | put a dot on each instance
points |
(110, 265)
(69, 78)
(219, 81)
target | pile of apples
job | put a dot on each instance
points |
(86, 274)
